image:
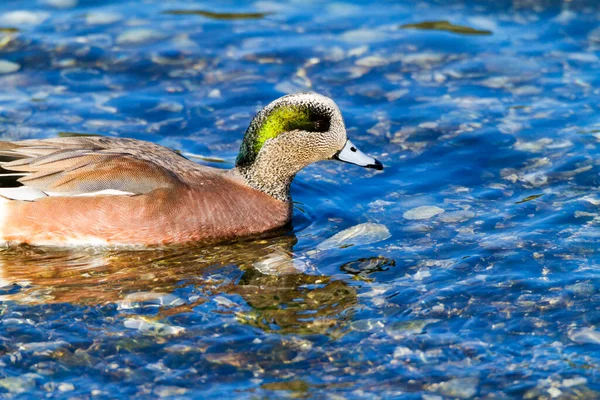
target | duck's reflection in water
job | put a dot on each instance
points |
(280, 290)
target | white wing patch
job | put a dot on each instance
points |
(105, 192)
(29, 194)
(22, 193)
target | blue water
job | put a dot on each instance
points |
(490, 291)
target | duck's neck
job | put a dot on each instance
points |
(274, 183)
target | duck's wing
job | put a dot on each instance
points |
(78, 166)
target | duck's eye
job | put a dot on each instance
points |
(321, 125)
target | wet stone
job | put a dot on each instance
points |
(362, 234)
(152, 327)
(62, 3)
(372, 61)
(169, 391)
(137, 36)
(20, 384)
(66, 387)
(102, 18)
(22, 17)
(456, 216)
(149, 299)
(462, 388)
(423, 212)
(7, 67)
(585, 336)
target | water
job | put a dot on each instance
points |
(475, 276)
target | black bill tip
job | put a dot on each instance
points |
(377, 165)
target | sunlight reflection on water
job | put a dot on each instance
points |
(466, 268)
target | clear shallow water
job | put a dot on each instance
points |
(495, 297)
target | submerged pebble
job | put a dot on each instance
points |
(462, 388)
(102, 18)
(7, 67)
(19, 384)
(456, 216)
(66, 387)
(149, 299)
(152, 327)
(280, 263)
(423, 212)
(137, 36)
(22, 17)
(372, 61)
(362, 234)
(62, 3)
(586, 335)
(170, 391)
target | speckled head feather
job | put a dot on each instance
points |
(287, 135)
(309, 112)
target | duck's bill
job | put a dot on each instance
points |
(352, 155)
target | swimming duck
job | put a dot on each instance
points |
(116, 191)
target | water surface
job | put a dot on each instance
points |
(468, 268)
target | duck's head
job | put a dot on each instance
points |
(291, 133)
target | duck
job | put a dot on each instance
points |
(106, 191)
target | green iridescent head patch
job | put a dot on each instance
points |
(281, 119)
